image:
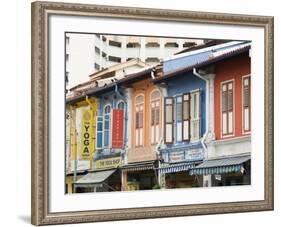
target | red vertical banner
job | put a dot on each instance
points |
(117, 128)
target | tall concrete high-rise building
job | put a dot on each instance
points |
(89, 53)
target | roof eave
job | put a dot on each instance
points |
(202, 64)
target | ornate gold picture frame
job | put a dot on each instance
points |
(41, 11)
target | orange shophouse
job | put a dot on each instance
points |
(228, 160)
(144, 135)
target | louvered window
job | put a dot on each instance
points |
(247, 104)
(154, 118)
(139, 120)
(227, 108)
(169, 103)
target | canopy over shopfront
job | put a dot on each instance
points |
(142, 166)
(220, 165)
(174, 168)
(94, 179)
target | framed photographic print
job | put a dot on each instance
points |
(149, 113)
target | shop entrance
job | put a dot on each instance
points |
(142, 180)
(182, 180)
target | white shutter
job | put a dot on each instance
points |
(186, 117)
(195, 113)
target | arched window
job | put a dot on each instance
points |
(106, 125)
(139, 120)
(121, 105)
(154, 116)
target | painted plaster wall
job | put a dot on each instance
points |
(112, 99)
(188, 82)
(231, 69)
(147, 151)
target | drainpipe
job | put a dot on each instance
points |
(207, 108)
(161, 138)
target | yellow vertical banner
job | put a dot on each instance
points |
(73, 139)
(86, 134)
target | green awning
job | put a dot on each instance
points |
(220, 165)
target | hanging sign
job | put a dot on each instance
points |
(117, 128)
(86, 134)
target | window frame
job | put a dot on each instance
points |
(244, 132)
(228, 134)
(155, 100)
(118, 103)
(199, 111)
(99, 121)
(172, 122)
(188, 118)
(135, 120)
(176, 121)
(110, 126)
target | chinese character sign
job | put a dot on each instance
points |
(118, 128)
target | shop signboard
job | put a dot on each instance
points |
(86, 134)
(194, 154)
(186, 155)
(177, 156)
(108, 163)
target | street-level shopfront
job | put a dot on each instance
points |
(105, 177)
(226, 171)
(70, 179)
(175, 166)
(140, 176)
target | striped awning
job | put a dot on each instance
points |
(220, 166)
(173, 168)
(138, 166)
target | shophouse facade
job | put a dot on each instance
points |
(80, 140)
(182, 123)
(109, 127)
(228, 160)
(191, 113)
(146, 131)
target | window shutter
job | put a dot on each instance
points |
(246, 104)
(99, 132)
(195, 110)
(186, 116)
(227, 108)
(178, 118)
(169, 119)
(230, 107)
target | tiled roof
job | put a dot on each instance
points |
(203, 61)
(98, 90)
